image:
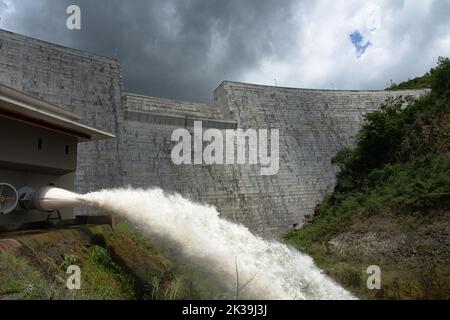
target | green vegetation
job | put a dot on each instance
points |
(392, 194)
(115, 264)
(422, 82)
(19, 281)
(428, 80)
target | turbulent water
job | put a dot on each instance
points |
(272, 269)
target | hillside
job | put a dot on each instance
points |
(391, 203)
(415, 83)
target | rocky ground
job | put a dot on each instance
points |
(412, 253)
(402, 238)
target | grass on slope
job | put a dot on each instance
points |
(115, 264)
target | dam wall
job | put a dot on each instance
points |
(86, 84)
(313, 125)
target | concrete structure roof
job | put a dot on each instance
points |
(20, 106)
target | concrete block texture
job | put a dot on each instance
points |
(313, 125)
(83, 83)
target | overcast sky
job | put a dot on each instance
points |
(183, 49)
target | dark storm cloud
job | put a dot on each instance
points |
(177, 49)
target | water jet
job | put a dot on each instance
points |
(47, 199)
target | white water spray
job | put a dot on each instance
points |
(272, 269)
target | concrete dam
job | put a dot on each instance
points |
(313, 125)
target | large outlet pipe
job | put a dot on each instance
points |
(47, 199)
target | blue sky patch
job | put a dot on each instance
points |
(358, 42)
